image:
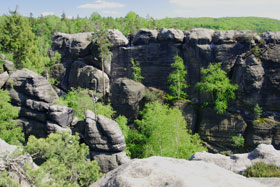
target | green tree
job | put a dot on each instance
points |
(162, 132)
(8, 129)
(101, 38)
(215, 82)
(80, 100)
(136, 71)
(177, 79)
(17, 38)
(64, 160)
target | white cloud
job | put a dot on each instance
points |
(47, 14)
(100, 4)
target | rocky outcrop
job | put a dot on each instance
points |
(105, 139)
(240, 162)
(219, 129)
(145, 36)
(161, 171)
(34, 95)
(84, 76)
(117, 38)
(73, 45)
(262, 132)
(127, 96)
(15, 165)
(3, 78)
(250, 60)
(171, 35)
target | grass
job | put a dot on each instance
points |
(261, 169)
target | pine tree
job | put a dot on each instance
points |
(17, 38)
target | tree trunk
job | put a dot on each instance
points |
(103, 78)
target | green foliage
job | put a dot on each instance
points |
(64, 161)
(162, 131)
(216, 83)
(238, 141)
(122, 121)
(6, 180)
(177, 79)
(261, 169)
(257, 112)
(80, 100)
(136, 71)
(8, 129)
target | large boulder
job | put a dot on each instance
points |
(271, 37)
(84, 76)
(163, 171)
(108, 161)
(105, 139)
(240, 162)
(200, 36)
(126, 97)
(61, 115)
(224, 37)
(31, 85)
(117, 38)
(73, 45)
(219, 129)
(145, 36)
(103, 134)
(9, 66)
(3, 78)
(171, 35)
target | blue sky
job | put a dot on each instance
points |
(154, 8)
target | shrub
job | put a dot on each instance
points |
(162, 131)
(80, 100)
(261, 169)
(8, 129)
(238, 141)
(64, 160)
(6, 180)
(216, 83)
(136, 71)
(257, 112)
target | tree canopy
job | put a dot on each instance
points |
(214, 81)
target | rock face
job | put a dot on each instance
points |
(219, 129)
(84, 76)
(250, 60)
(160, 171)
(3, 78)
(79, 48)
(127, 96)
(240, 162)
(262, 133)
(35, 96)
(145, 36)
(12, 165)
(105, 139)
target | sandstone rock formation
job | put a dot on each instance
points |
(127, 96)
(160, 171)
(3, 78)
(13, 165)
(240, 162)
(35, 97)
(250, 60)
(105, 139)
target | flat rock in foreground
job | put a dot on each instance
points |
(162, 171)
